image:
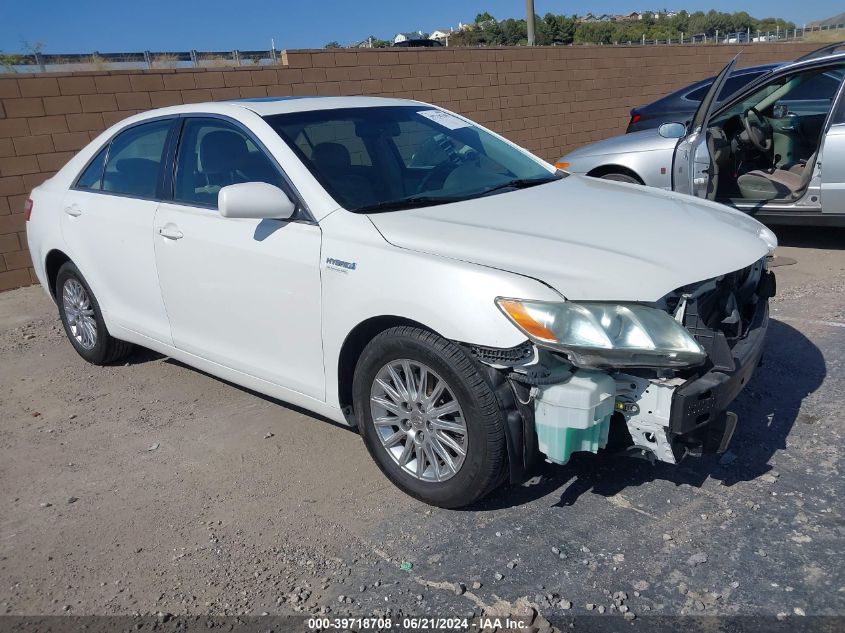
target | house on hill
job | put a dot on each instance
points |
(409, 37)
(441, 35)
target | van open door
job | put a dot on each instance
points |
(692, 165)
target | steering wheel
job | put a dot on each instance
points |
(439, 171)
(758, 131)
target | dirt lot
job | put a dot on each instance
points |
(152, 487)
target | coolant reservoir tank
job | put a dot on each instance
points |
(574, 415)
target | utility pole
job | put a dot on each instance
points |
(529, 18)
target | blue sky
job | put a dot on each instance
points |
(80, 26)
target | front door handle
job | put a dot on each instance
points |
(73, 210)
(170, 232)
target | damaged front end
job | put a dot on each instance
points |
(661, 394)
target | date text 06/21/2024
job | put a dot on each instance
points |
(416, 624)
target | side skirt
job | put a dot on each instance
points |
(248, 381)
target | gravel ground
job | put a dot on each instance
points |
(153, 488)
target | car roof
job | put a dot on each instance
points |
(267, 106)
(675, 99)
(737, 72)
(821, 60)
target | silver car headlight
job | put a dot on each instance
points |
(606, 334)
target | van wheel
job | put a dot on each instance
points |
(83, 320)
(428, 418)
(621, 178)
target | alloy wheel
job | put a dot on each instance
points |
(79, 313)
(418, 420)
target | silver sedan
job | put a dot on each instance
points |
(760, 151)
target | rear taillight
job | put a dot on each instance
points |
(635, 118)
(27, 209)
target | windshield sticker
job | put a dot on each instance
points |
(449, 121)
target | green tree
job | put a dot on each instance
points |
(333, 44)
(594, 33)
(8, 61)
(514, 32)
(561, 29)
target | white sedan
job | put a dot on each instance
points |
(393, 266)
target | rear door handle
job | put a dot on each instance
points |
(73, 210)
(170, 232)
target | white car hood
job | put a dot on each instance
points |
(587, 238)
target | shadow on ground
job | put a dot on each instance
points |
(768, 408)
(270, 399)
(811, 237)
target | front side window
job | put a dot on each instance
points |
(732, 85)
(134, 160)
(394, 157)
(213, 154)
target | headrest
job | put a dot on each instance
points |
(331, 156)
(222, 151)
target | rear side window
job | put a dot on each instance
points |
(92, 177)
(732, 85)
(135, 158)
(214, 154)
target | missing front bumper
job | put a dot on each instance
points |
(643, 412)
(666, 418)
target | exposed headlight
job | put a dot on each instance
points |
(606, 334)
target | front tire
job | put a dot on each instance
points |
(428, 417)
(83, 320)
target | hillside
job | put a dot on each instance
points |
(831, 21)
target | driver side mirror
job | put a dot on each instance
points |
(672, 130)
(255, 200)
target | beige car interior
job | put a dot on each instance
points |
(765, 148)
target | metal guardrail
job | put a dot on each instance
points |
(41, 62)
(740, 37)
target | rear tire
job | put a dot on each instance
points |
(412, 424)
(621, 178)
(83, 320)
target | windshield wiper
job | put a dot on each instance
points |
(520, 183)
(413, 202)
(408, 203)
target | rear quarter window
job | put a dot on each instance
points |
(92, 177)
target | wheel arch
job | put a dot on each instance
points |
(603, 170)
(520, 451)
(352, 347)
(52, 263)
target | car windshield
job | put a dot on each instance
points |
(397, 157)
